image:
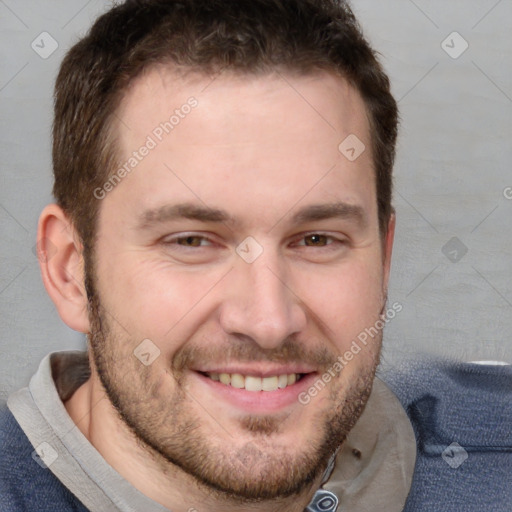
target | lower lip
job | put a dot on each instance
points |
(259, 402)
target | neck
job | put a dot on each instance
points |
(150, 473)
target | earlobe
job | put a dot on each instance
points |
(61, 262)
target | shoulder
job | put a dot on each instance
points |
(25, 483)
(444, 397)
(462, 418)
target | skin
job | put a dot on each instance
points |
(262, 150)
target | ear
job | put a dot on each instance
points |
(62, 267)
(388, 248)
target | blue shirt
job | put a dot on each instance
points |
(462, 418)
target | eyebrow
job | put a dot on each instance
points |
(339, 210)
(168, 213)
(183, 211)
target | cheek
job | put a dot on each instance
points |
(347, 300)
(152, 299)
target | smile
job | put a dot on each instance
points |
(253, 383)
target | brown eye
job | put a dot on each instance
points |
(316, 240)
(190, 241)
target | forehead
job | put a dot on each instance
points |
(277, 132)
(320, 97)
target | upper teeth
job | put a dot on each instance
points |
(251, 383)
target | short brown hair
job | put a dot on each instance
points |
(246, 36)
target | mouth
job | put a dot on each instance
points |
(255, 391)
(254, 383)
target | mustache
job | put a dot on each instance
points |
(247, 351)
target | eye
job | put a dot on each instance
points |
(317, 240)
(192, 241)
(192, 248)
(186, 241)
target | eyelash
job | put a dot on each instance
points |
(330, 239)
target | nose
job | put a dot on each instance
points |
(260, 303)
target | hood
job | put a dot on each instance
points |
(374, 467)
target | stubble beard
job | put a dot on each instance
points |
(173, 435)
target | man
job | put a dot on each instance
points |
(223, 234)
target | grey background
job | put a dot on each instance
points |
(452, 174)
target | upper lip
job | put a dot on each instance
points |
(258, 370)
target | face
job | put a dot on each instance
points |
(244, 248)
